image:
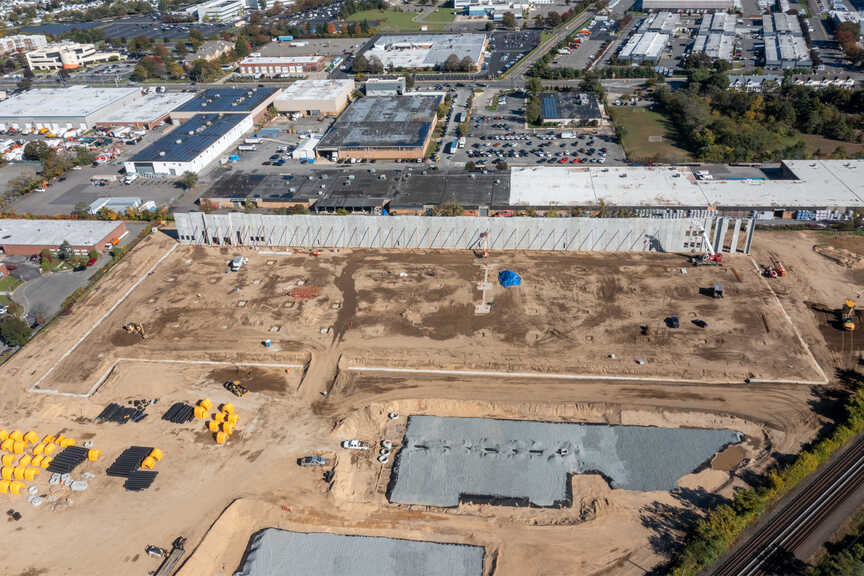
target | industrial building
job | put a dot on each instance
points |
(315, 97)
(571, 108)
(252, 101)
(785, 46)
(688, 5)
(662, 22)
(427, 50)
(276, 66)
(31, 237)
(383, 127)
(120, 205)
(494, 9)
(191, 146)
(144, 109)
(644, 47)
(385, 86)
(716, 36)
(68, 55)
(224, 11)
(22, 43)
(75, 107)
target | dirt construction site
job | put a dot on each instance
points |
(352, 344)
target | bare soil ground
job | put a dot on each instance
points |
(413, 310)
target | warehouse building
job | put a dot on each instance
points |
(571, 108)
(144, 110)
(688, 5)
(315, 97)
(191, 146)
(280, 66)
(785, 46)
(662, 22)
(75, 107)
(716, 36)
(385, 86)
(225, 11)
(427, 50)
(252, 101)
(644, 47)
(68, 55)
(31, 237)
(384, 127)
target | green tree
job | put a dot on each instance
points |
(65, 252)
(36, 150)
(451, 64)
(470, 166)
(299, 209)
(533, 111)
(83, 156)
(241, 48)
(508, 20)
(14, 331)
(466, 64)
(82, 210)
(188, 180)
(553, 19)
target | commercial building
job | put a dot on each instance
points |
(22, 43)
(716, 36)
(30, 237)
(427, 50)
(64, 108)
(144, 109)
(315, 97)
(191, 146)
(384, 127)
(385, 86)
(662, 22)
(494, 9)
(688, 5)
(644, 47)
(785, 46)
(68, 56)
(274, 66)
(571, 108)
(218, 10)
(253, 101)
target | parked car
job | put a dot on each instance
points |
(312, 461)
(355, 445)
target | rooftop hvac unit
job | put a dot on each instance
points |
(161, 153)
(178, 141)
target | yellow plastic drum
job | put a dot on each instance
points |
(25, 460)
(234, 418)
(16, 487)
(49, 449)
(31, 437)
(7, 459)
(37, 461)
(7, 445)
(18, 473)
(221, 437)
(6, 472)
(228, 408)
(39, 449)
(18, 448)
(46, 461)
(227, 427)
(94, 454)
(31, 473)
(148, 463)
(206, 403)
(4, 434)
(66, 442)
(156, 454)
(200, 412)
(219, 417)
(213, 426)
(16, 435)
(4, 486)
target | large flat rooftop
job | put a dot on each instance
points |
(383, 122)
(54, 232)
(190, 139)
(443, 460)
(227, 100)
(147, 108)
(316, 90)
(72, 102)
(426, 50)
(273, 552)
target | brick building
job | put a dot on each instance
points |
(30, 237)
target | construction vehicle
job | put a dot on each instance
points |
(848, 316)
(135, 328)
(717, 291)
(236, 388)
(709, 257)
(769, 271)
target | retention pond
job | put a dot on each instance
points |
(445, 460)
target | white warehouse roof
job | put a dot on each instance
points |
(316, 90)
(73, 102)
(54, 232)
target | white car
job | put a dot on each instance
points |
(355, 445)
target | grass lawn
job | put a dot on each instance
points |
(440, 15)
(393, 21)
(5, 300)
(9, 283)
(648, 136)
(825, 147)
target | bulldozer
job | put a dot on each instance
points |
(236, 388)
(135, 328)
(848, 316)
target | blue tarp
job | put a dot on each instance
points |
(509, 278)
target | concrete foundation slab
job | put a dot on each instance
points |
(273, 552)
(444, 460)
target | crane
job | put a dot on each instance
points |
(709, 257)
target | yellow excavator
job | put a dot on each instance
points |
(135, 328)
(848, 316)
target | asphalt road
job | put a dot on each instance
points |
(562, 32)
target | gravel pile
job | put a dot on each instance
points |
(273, 552)
(445, 458)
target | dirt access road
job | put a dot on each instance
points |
(350, 324)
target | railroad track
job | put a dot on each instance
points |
(791, 526)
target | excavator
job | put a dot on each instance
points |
(848, 316)
(135, 328)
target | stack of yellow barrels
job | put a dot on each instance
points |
(222, 423)
(150, 461)
(26, 454)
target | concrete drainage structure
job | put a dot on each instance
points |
(464, 232)
(445, 460)
(272, 551)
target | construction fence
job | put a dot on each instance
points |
(465, 232)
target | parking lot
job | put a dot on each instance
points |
(501, 135)
(507, 48)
